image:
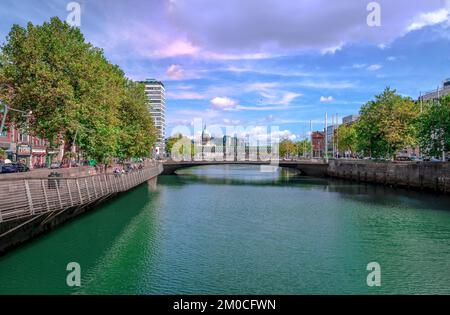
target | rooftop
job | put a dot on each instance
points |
(152, 81)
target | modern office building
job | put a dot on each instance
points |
(438, 93)
(331, 132)
(350, 119)
(155, 92)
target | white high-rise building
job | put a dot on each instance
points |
(155, 92)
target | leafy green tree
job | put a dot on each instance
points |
(346, 137)
(137, 132)
(75, 94)
(171, 142)
(37, 67)
(180, 147)
(287, 148)
(303, 147)
(386, 125)
(433, 127)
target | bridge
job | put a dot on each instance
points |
(305, 167)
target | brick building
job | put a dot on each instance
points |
(20, 146)
(318, 144)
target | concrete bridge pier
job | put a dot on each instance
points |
(152, 184)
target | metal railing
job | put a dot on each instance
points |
(25, 197)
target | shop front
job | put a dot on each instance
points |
(38, 157)
(51, 156)
(23, 154)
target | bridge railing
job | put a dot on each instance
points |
(25, 197)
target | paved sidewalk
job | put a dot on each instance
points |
(44, 172)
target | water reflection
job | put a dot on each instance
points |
(283, 177)
(235, 230)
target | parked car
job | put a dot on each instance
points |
(435, 160)
(55, 165)
(403, 158)
(416, 159)
(10, 168)
(39, 165)
(22, 167)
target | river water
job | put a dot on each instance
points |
(237, 230)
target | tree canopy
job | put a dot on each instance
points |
(290, 149)
(346, 137)
(74, 92)
(433, 127)
(387, 124)
(180, 147)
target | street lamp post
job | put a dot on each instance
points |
(326, 137)
(5, 112)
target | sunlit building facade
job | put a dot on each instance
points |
(155, 92)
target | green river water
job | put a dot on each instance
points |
(236, 230)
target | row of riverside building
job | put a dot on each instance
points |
(22, 147)
(35, 152)
(318, 137)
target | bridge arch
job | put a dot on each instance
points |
(308, 168)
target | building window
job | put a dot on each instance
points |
(23, 137)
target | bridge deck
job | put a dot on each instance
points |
(309, 167)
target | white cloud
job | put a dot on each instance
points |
(185, 95)
(326, 84)
(233, 122)
(326, 99)
(333, 49)
(223, 103)
(391, 58)
(383, 46)
(271, 94)
(236, 56)
(288, 97)
(178, 47)
(359, 65)
(429, 18)
(263, 133)
(266, 71)
(374, 67)
(228, 30)
(175, 72)
(261, 86)
(267, 108)
(274, 97)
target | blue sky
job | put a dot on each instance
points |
(262, 62)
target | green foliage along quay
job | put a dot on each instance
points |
(346, 137)
(75, 94)
(291, 149)
(387, 125)
(179, 146)
(433, 130)
(391, 123)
